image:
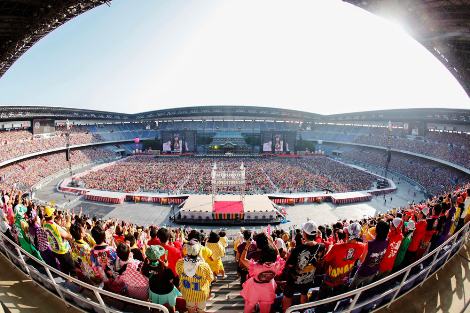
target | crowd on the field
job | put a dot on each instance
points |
(435, 178)
(193, 175)
(176, 267)
(25, 174)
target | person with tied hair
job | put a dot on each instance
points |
(127, 278)
(195, 278)
(260, 288)
(242, 269)
(218, 251)
(223, 239)
(161, 279)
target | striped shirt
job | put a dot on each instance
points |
(223, 242)
(197, 288)
(218, 251)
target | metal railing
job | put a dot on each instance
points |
(72, 291)
(371, 297)
(386, 290)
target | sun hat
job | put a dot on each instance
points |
(49, 211)
(354, 231)
(154, 253)
(193, 247)
(310, 228)
(397, 222)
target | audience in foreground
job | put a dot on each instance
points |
(176, 267)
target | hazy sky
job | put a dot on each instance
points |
(322, 56)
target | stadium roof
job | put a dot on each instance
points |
(24, 22)
(443, 27)
(447, 116)
(247, 112)
(18, 113)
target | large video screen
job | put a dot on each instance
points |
(278, 142)
(178, 141)
(43, 126)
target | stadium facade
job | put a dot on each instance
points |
(247, 129)
(222, 130)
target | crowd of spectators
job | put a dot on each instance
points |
(176, 267)
(434, 177)
(193, 175)
(450, 147)
(453, 147)
(25, 174)
(17, 143)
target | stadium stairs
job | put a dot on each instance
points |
(227, 291)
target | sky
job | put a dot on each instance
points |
(321, 56)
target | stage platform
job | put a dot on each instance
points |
(350, 197)
(105, 196)
(228, 208)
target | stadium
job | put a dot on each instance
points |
(236, 208)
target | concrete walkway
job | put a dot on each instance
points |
(447, 291)
(19, 294)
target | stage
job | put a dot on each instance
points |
(228, 209)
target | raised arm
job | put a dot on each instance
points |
(243, 258)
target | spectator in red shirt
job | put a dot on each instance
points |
(340, 261)
(118, 236)
(154, 241)
(395, 236)
(426, 239)
(329, 238)
(173, 253)
(418, 234)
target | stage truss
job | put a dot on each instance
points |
(232, 181)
